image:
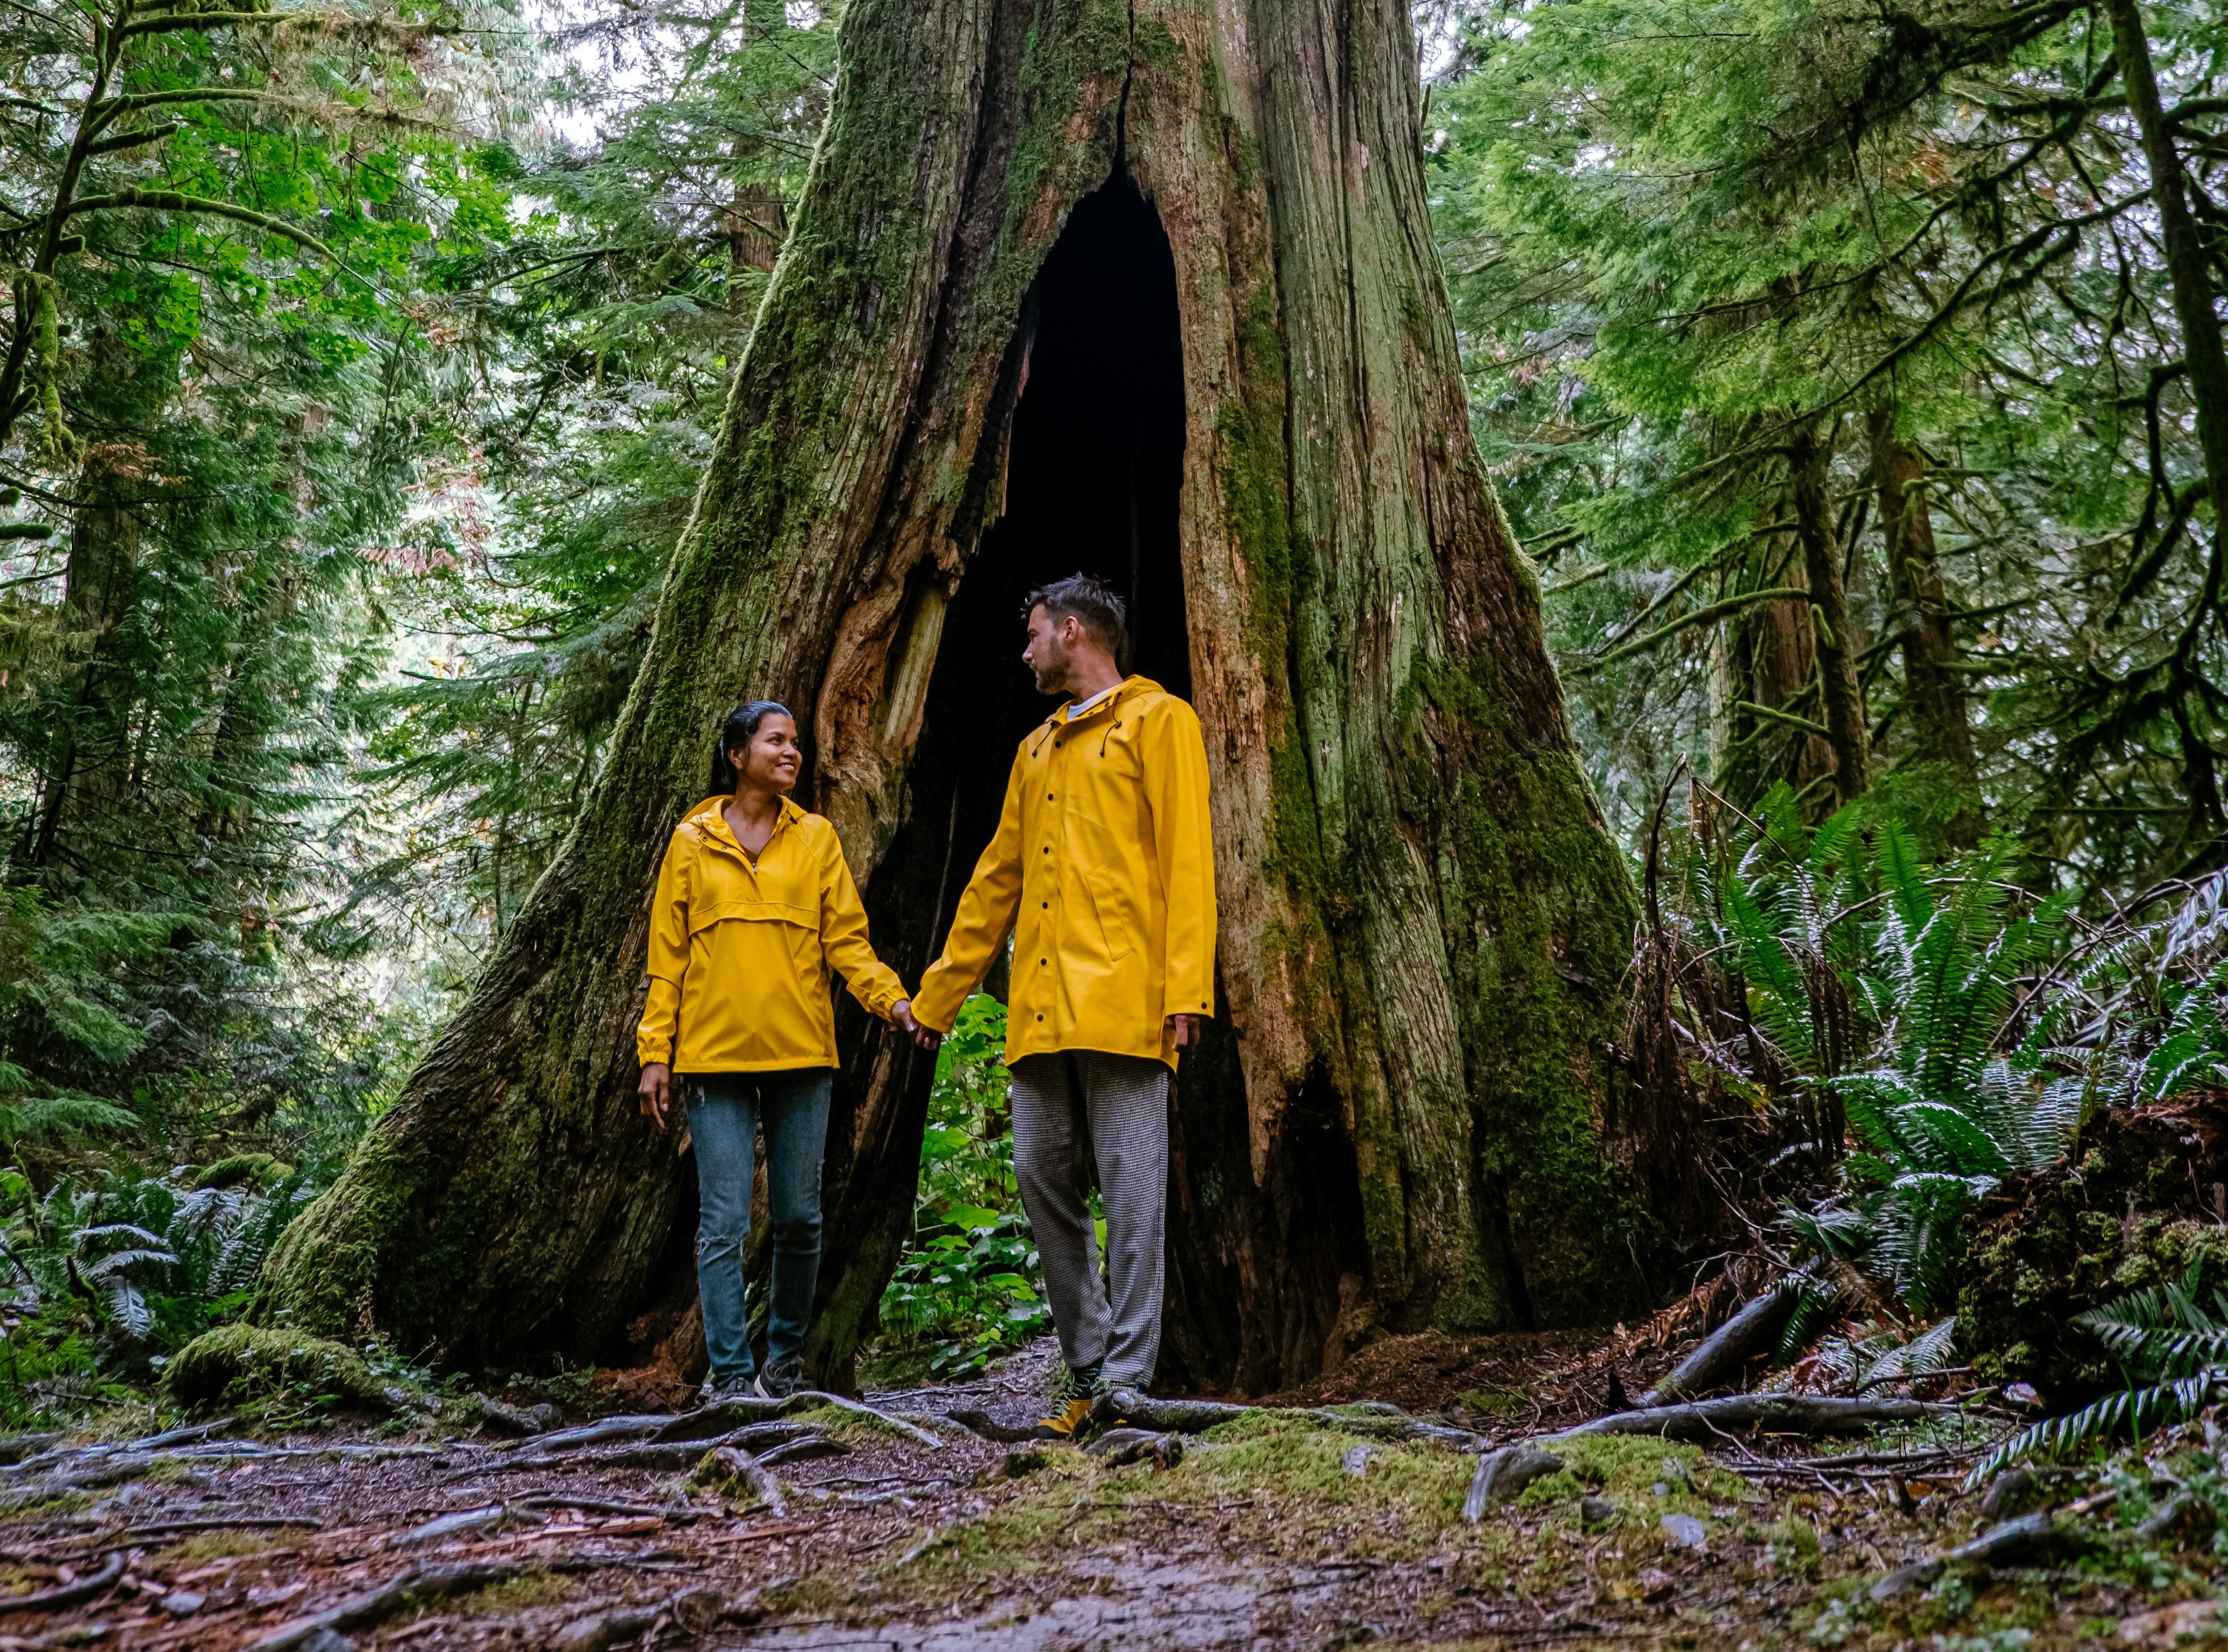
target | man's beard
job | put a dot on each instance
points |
(1051, 676)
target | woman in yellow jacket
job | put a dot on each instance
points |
(754, 906)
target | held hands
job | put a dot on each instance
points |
(652, 1093)
(1188, 1029)
(926, 1037)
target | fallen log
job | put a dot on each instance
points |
(69, 1594)
(414, 1587)
(1725, 1350)
(2013, 1537)
(1792, 1413)
(1502, 1474)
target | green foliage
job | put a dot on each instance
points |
(967, 1287)
(1882, 997)
(2173, 1351)
(111, 1275)
(614, 313)
(1684, 235)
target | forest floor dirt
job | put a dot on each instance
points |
(1275, 1531)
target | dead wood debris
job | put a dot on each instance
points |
(2014, 1537)
(70, 1593)
(1725, 1350)
(1502, 1474)
(1797, 1414)
(414, 1587)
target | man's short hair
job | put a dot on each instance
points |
(1091, 603)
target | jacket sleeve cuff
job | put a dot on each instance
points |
(933, 1006)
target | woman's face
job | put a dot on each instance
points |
(771, 760)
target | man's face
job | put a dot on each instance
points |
(1047, 655)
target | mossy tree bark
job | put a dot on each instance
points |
(1409, 1111)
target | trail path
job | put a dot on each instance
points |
(1284, 1536)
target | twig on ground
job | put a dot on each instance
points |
(2013, 1537)
(70, 1593)
(414, 1587)
(1786, 1412)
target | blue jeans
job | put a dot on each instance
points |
(725, 1112)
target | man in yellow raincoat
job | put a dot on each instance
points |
(1103, 872)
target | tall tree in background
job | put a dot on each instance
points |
(589, 356)
(1408, 1113)
(214, 231)
(1750, 291)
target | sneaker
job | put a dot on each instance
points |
(781, 1377)
(1074, 1382)
(716, 1391)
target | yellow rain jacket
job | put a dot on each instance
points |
(742, 952)
(1103, 869)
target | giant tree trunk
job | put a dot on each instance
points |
(1150, 289)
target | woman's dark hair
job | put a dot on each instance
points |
(736, 735)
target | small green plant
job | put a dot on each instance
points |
(2174, 1350)
(967, 1286)
(107, 1275)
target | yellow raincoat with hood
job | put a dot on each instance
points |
(1102, 871)
(739, 953)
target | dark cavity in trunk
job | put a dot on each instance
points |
(1092, 477)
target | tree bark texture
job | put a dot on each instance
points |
(1841, 697)
(1407, 1111)
(1933, 697)
(1766, 657)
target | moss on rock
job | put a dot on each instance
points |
(240, 1364)
(2128, 1207)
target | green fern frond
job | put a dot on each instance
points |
(2137, 1410)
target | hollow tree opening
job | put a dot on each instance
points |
(1092, 477)
(1094, 468)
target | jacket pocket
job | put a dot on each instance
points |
(1118, 924)
(702, 914)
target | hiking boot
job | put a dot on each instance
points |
(782, 1378)
(1071, 1391)
(1062, 1423)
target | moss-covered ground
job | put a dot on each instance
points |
(1277, 1530)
